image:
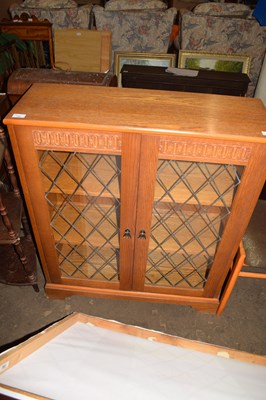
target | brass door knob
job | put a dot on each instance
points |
(127, 234)
(142, 234)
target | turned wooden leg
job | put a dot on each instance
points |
(13, 180)
(26, 227)
(9, 164)
(36, 287)
(15, 240)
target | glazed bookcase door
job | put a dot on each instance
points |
(191, 203)
(83, 197)
(82, 191)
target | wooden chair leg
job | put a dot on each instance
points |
(252, 275)
(36, 288)
(15, 240)
(26, 228)
(9, 164)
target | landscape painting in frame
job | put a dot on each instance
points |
(214, 61)
(150, 59)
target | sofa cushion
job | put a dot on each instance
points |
(49, 4)
(112, 5)
(137, 30)
(223, 10)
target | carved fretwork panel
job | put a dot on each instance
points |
(211, 151)
(60, 139)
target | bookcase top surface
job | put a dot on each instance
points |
(112, 109)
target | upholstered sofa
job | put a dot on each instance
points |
(136, 25)
(61, 13)
(225, 28)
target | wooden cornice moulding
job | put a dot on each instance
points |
(76, 140)
(232, 153)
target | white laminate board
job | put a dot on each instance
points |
(88, 362)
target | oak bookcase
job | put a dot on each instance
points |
(138, 194)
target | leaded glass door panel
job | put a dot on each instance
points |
(190, 203)
(83, 193)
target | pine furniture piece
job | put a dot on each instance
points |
(83, 50)
(138, 194)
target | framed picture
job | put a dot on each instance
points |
(151, 59)
(213, 61)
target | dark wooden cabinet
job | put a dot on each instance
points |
(207, 81)
(138, 194)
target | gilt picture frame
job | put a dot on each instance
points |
(150, 59)
(214, 61)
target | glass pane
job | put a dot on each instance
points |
(83, 196)
(192, 204)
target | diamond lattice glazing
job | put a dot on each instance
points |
(83, 194)
(192, 203)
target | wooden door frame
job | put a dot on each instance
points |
(26, 141)
(147, 178)
(129, 193)
(244, 203)
(251, 156)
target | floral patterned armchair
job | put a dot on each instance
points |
(61, 13)
(136, 25)
(225, 28)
